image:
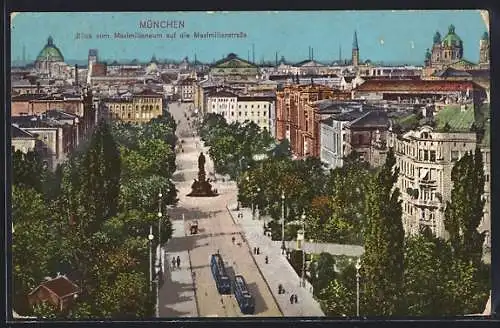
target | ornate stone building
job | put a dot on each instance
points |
(50, 60)
(233, 68)
(448, 52)
(138, 108)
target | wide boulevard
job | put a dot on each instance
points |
(190, 290)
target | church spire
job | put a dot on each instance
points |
(355, 41)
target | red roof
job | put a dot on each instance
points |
(61, 286)
(415, 85)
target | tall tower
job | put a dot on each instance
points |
(484, 49)
(355, 50)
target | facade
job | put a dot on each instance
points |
(367, 136)
(420, 91)
(57, 139)
(50, 60)
(425, 157)
(186, 90)
(333, 138)
(241, 108)
(137, 108)
(294, 121)
(23, 140)
(35, 104)
(448, 52)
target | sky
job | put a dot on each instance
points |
(386, 36)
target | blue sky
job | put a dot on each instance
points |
(388, 36)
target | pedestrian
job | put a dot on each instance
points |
(258, 250)
(279, 289)
(267, 260)
(178, 262)
(295, 300)
(255, 250)
(173, 262)
(291, 299)
(234, 239)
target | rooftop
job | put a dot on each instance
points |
(453, 118)
(372, 119)
(16, 132)
(61, 286)
(416, 85)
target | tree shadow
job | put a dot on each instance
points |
(260, 303)
(173, 293)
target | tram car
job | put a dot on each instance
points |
(220, 275)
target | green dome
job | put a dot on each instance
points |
(50, 52)
(451, 39)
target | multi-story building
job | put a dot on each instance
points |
(57, 137)
(334, 137)
(425, 157)
(293, 121)
(136, 108)
(420, 91)
(186, 89)
(241, 108)
(448, 52)
(367, 136)
(233, 68)
(299, 110)
(35, 104)
(23, 140)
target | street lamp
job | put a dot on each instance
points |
(358, 266)
(303, 250)
(150, 238)
(283, 247)
(257, 203)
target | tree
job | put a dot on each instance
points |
(338, 300)
(322, 272)
(464, 212)
(34, 243)
(100, 176)
(384, 238)
(27, 169)
(427, 264)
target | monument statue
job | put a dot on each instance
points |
(201, 187)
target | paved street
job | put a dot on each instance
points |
(178, 298)
(253, 231)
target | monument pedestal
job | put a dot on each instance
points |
(201, 187)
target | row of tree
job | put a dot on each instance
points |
(412, 275)
(233, 147)
(90, 219)
(420, 275)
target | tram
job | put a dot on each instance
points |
(220, 275)
(243, 296)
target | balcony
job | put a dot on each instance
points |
(426, 203)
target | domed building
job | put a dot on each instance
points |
(448, 52)
(50, 60)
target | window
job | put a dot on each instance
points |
(432, 156)
(232, 113)
(454, 155)
(239, 106)
(239, 113)
(246, 113)
(258, 106)
(258, 113)
(426, 155)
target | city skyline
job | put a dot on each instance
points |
(264, 32)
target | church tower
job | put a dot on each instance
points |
(355, 50)
(484, 49)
